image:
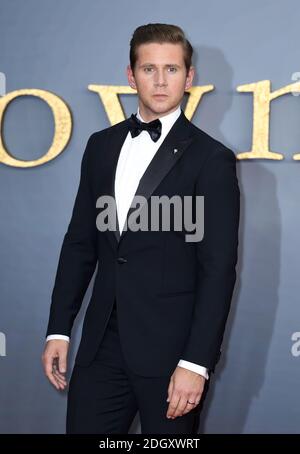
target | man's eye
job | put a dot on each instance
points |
(173, 69)
(148, 70)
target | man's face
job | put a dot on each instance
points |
(160, 78)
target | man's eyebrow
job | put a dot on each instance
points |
(152, 64)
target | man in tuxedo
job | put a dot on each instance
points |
(154, 325)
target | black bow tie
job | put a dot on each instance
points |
(136, 126)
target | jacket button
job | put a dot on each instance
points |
(121, 260)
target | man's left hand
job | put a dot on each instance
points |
(185, 386)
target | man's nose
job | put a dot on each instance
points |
(160, 78)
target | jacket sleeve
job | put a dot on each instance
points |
(78, 256)
(216, 257)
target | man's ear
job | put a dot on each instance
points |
(190, 77)
(130, 77)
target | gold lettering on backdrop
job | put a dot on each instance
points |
(62, 122)
(114, 110)
(109, 95)
(194, 99)
(262, 97)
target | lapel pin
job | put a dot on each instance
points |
(175, 150)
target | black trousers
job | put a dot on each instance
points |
(104, 397)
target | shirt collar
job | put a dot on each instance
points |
(167, 121)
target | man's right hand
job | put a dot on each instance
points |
(54, 360)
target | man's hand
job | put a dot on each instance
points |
(54, 360)
(185, 385)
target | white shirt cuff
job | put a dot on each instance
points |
(194, 367)
(57, 336)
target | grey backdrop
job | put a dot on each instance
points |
(62, 46)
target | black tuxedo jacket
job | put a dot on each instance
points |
(172, 296)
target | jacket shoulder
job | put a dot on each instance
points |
(209, 145)
(103, 133)
(98, 139)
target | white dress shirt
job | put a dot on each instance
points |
(135, 156)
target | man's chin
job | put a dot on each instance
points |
(162, 107)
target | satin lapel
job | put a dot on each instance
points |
(168, 154)
(115, 141)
